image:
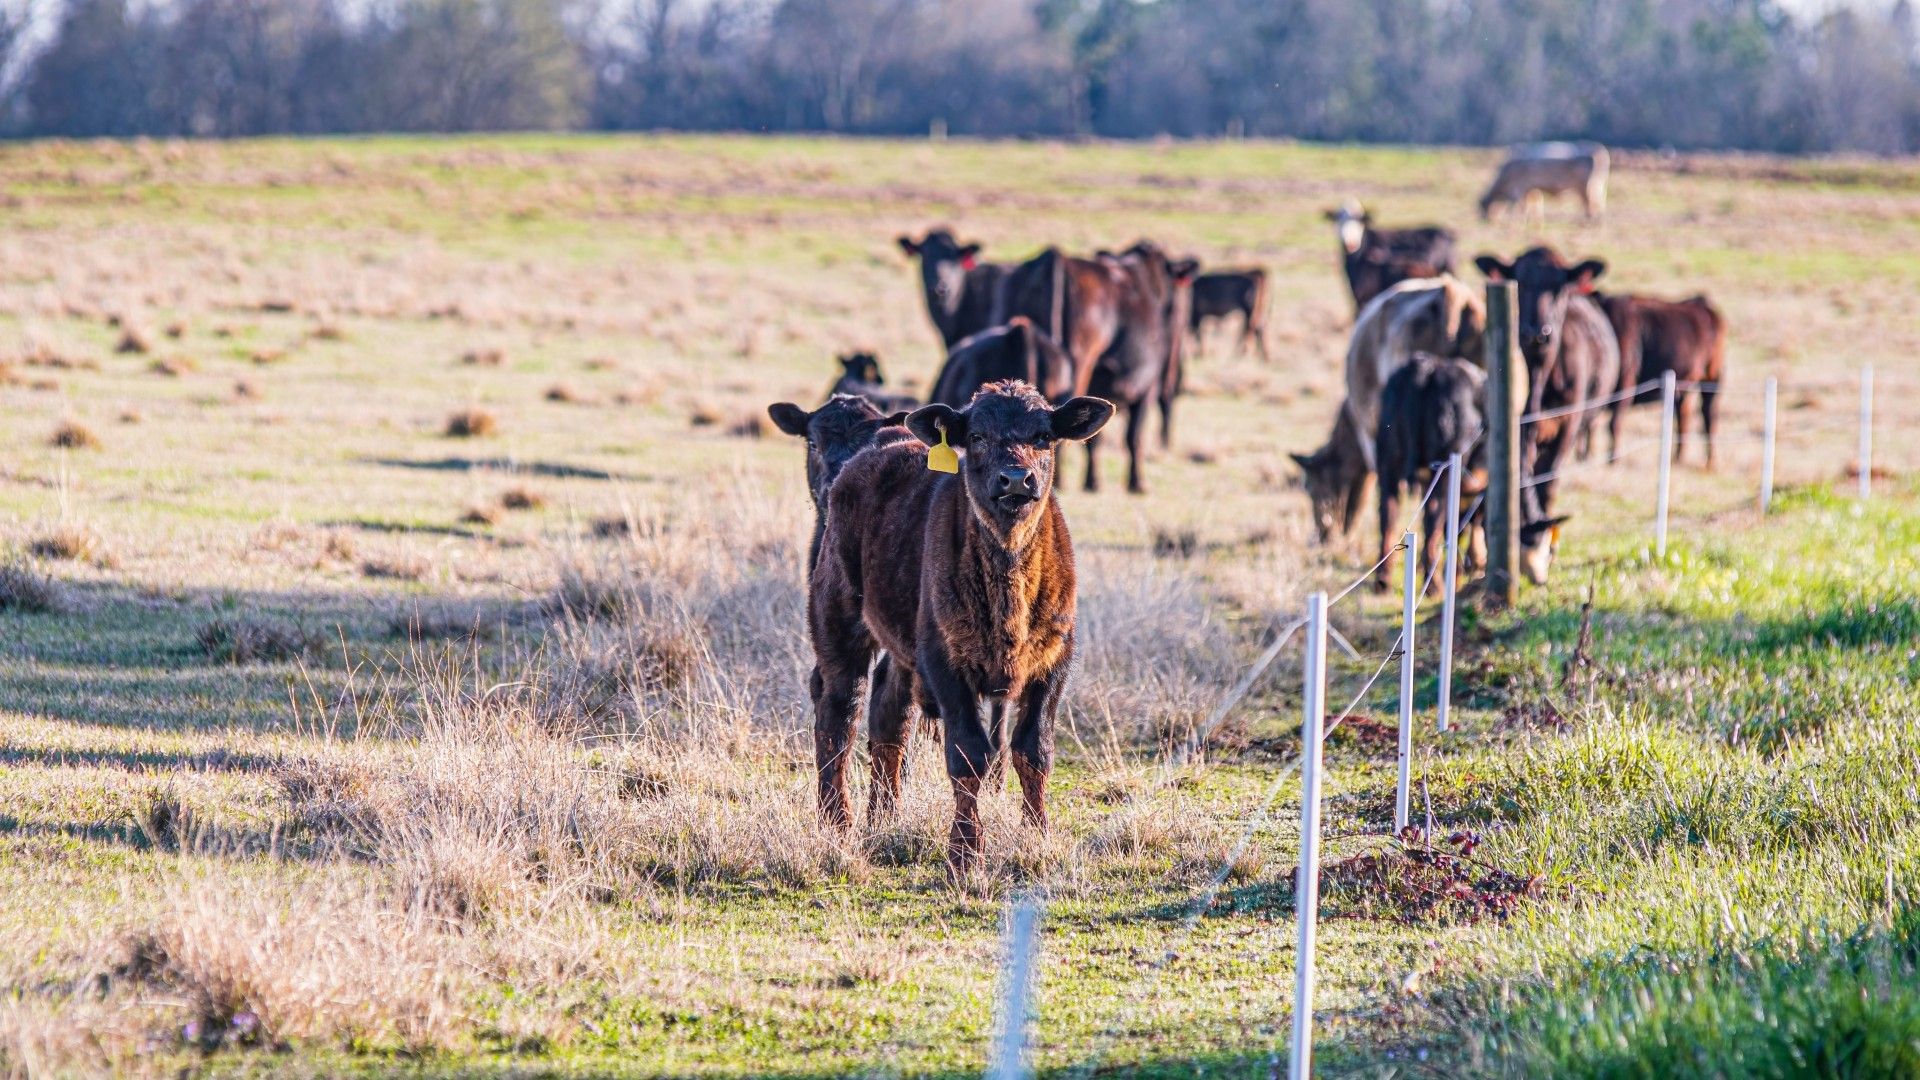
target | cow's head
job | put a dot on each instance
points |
(1539, 542)
(835, 432)
(1006, 436)
(1546, 283)
(1328, 488)
(944, 262)
(861, 367)
(1350, 221)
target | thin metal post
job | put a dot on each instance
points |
(1010, 1036)
(1766, 444)
(1506, 376)
(1866, 432)
(1306, 890)
(1666, 463)
(1407, 605)
(1452, 573)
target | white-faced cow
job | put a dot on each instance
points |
(959, 288)
(1376, 260)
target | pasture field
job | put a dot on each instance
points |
(334, 741)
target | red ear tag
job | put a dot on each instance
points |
(967, 262)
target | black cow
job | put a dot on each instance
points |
(1221, 293)
(860, 376)
(959, 288)
(1431, 408)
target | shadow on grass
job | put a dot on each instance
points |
(553, 469)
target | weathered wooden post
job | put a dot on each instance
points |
(1506, 383)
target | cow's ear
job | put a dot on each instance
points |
(1185, 270)
(1587, 273)
(928, 421)
(1305, 461)
(1331, 215)
(1493, 268)
(1081, 418)
(969, 256)
(897, 419)
(908, 245)
(789, 418)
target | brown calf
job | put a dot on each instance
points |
(967, 577)
(1688, 338)
(1221, 293)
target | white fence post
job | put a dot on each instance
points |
(1407, 605)
(1666, 463)
(1010, 1035)
(1766, 444)
(1451, 574)
(1866, 432)
(1306, 891)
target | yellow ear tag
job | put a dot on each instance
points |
(942, 458)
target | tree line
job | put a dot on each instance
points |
(1690, 74)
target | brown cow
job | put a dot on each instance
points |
(1688, 338)
(959, 288)
(1221, 293)
(1534, 170)
(971, 576)
(1378, 259)
(1018, 350)
(1572, 358)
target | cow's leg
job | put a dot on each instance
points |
(1707, 401)
(1433, 535)
(1093, 468)
(843, 653)
(1167, 394)
(1033, 742)
(1614, 420)
(968, 749)
(1136, 426)
(1257, 330)
(1389, 510)
(996, 779)
(1586, 436)
(1356, 495)
(889, 733)
(1680, 402)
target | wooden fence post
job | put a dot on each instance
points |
(1506, 381)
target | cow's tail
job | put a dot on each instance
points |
(1057, 316)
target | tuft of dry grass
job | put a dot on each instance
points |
(750, 426)
(73, 543)
(134, 340)
(636, 395)
(22, 588)
(74, 435)
(703, 414)
(403, 566)
(484, 357)
(267, 357)
(471, 424)
(247, 390)
(481, 514)
(174, 367)
(522, 498)
(131, 415)
(176, 329)
(563, 394)
(253, 641)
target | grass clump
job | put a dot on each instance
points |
(24, 589)
(71, 543)
(74, 435)
(253, 641)
(472, 424)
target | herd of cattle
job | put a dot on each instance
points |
(941, 571)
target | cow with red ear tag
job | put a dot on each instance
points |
(959, 287)
(969, 576)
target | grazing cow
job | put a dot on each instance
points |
(1688, 338)
(1018, 350)
(968, 577)
(1221, 293)
(959, 288)
(1535, 170)
(1378, 259)
(860, 376)
(1572, 358)
(1443, 316)
(1431, 408)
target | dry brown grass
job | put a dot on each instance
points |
(481, 514)
(565, 394)
(133, 339)
(394, 566)
(22, 588)
(267, 357)
(74, 543)
(73, 435)
(472, 423)
(174, 367)
(247, 390)
(484, 357)
(522, 498)
(249, 640)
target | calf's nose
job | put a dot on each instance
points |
(1016, 479)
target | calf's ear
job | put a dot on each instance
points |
(1185, 270)
(789, 418)
(1493, 268)
(908, 245)
(928, 421)
(1586, 273)
(896, 420)
(1081, 418)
